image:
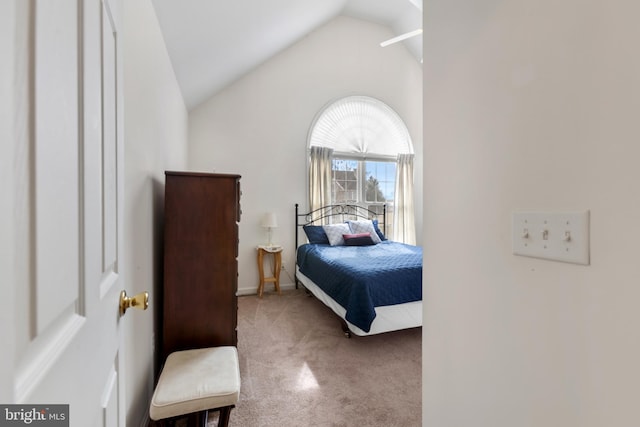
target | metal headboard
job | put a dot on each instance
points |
(338, 213)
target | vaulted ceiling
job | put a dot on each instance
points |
(211, 43)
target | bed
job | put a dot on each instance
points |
(373, 284)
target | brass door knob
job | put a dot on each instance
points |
(140, 301)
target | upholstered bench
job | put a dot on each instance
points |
(196, 381)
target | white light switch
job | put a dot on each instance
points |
(558, 236)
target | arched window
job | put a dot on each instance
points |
(361, 126)
(360, 139)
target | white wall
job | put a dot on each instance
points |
(530, 105)
(257, 127)
(156, 124)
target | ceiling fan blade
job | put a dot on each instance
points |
(401, 37)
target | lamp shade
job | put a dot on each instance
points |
(269, 220)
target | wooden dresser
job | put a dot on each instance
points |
(199, 302)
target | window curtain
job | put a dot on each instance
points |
(404, 227)
(320, 177)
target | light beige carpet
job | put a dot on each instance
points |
(298, 369)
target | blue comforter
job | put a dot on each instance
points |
(360, 278)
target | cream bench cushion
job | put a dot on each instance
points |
(196, 380)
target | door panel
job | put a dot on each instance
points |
(71, 349)
(109, 142)
(57, 260)
(110, 401)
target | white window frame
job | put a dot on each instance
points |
(388, 205)
(362, 177)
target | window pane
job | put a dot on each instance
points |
(344, 174)
(380, 181)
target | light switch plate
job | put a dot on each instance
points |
(558, 236)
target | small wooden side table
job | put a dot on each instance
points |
(276, 252)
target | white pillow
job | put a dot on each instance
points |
(334, 233)
(366, 226)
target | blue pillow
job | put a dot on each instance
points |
(315, 234)
(378, 232)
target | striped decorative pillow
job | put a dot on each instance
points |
(364, 227)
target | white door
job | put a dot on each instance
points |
(64, 239)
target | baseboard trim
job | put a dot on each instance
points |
(254, 291)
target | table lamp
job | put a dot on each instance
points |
(269, 221)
